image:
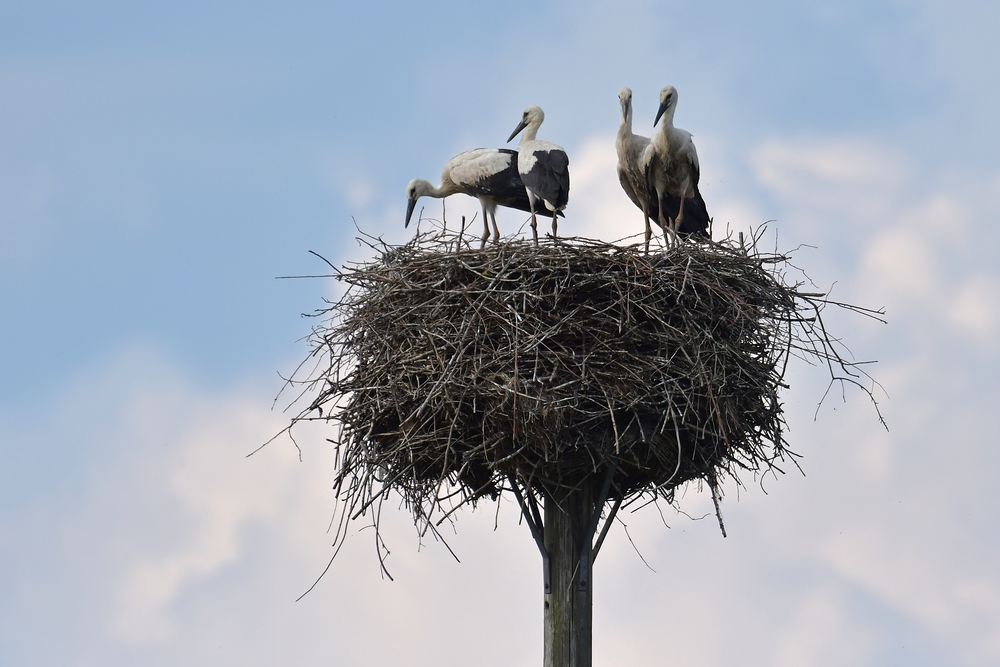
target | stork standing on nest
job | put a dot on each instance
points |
(631, 173)
(544, 169)
(489, 174)
(670, 163)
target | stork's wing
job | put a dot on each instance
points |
(696, 219)
(476, 168)
(626, 181)
(631, 173)
(548, 177)
(494, 175)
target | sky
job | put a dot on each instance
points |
(161, 164)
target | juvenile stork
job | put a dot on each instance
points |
(670, 162)
(631, 174)
(544, 169)
(489, 174)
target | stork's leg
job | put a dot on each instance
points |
(679, 218)
(486, 228)
(665, 224)
(555, 223)
(649, 230)
(496, 230)
(534, 222)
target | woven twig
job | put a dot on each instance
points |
(448, 374)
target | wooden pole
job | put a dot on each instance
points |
(569, 602)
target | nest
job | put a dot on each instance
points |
(454, 375)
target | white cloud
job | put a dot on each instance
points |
(823, 631)
(206, 483)
(976, 309)
(918, 236)
(844, 184)
(921, 582)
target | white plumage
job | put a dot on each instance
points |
(489, 174)
(543, 167)
(672, 171)
(631, 174)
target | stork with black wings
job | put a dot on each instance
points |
(543, 167)
(670, 163)
(488, 174)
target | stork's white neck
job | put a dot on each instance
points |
(667, 119)
(530, 131)
(625, 129)
(427, 189)
(665, 130)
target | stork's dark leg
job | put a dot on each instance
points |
(679, 218)
(555, 223)
(486, 228)
(496, 230)
(649, 230)
(665, 224)
(534, 222)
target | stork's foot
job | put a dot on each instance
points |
(496, 230)
(669, 237)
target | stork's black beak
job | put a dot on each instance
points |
(663, 107)
(410, 205)
(523, 124)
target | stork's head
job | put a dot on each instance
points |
(532, 118)
(668, 104)
(625, 99)
(416, 189)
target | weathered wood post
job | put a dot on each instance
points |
(569, 600)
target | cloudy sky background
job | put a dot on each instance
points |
(161, 163)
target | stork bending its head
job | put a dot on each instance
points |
(488, 174)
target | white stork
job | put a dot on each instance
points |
(544, 168)
(489, 174)
(631, 174)
(670, 162)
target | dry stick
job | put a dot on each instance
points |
(418, 359)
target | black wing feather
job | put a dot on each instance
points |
(549, 177)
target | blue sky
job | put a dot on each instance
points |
(162, 163)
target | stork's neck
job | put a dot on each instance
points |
(667, 119)
(625, 129)
(665, 129)
(530, 132)
(448, 187)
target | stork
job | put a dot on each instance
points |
(489, 174)
(670, 162)
(544, 169)
(631, 174)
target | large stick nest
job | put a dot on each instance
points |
(452, 375)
